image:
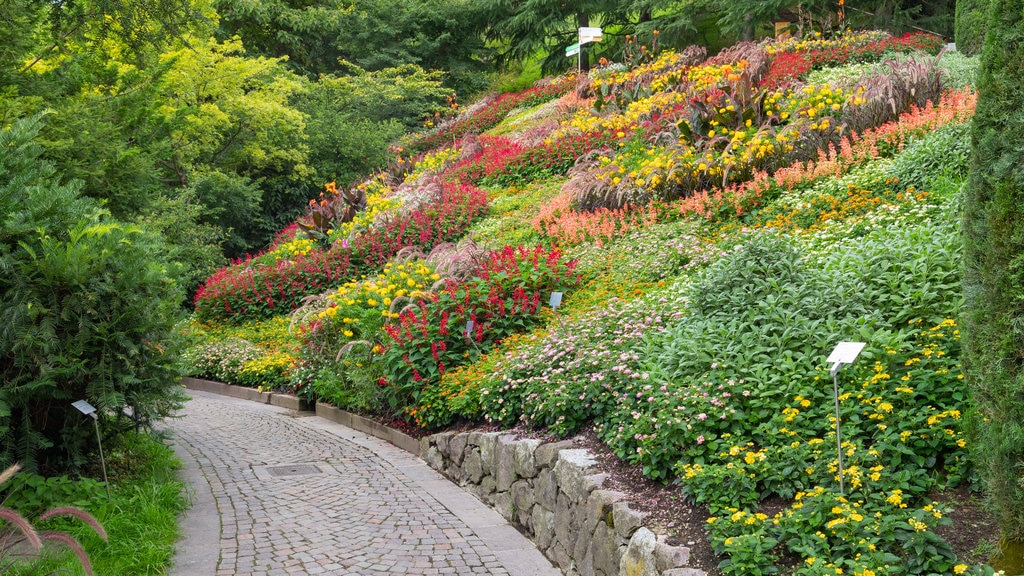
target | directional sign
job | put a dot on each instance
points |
(572, 50)
(588, 35)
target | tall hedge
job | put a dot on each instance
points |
(993, 230)
(87, 311)
(969, 29)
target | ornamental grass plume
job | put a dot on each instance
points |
(20, 534)
(954, 106)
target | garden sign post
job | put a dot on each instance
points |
(90, 410)
(844, 353)
(585, 35)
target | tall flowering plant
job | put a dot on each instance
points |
(424, 228)
(458, 321)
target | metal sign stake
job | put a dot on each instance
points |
(844, 353)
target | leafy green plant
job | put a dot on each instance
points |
(88, 310)
(25, 533)
(944, 152)
(458, 321)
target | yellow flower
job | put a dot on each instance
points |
(959, 568)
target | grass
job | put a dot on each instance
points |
(141, 516)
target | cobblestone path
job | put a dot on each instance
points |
(280, 492)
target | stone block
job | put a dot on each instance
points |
(488, 450)
(668, 557)
(564, 524)
(434, 459)
(457, 447)
(455, 473)
(488, 489)
(546, 453)
(543, 525)
(626, 520)
(546, 489)
(523, 500)
(639, 557)
(684, 572)
(502, 504)
(598, 507)
(505, 462)
(581, 545)
(473, 465)
(560, 557)
(441, 441)
(526, 464)
(604, 548)
(593, 482)
(570, 468)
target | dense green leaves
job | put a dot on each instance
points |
(971, 17)
(86, 311)
(993, 229)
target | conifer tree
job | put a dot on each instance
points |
(993, 231)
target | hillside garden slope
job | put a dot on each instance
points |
(714, 227)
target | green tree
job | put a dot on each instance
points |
(531, 27)
(970, 25)
(993, 231)
(436, 35)
(752, 18)
(322, 37)
(353, 118)
(304, 31)
(87, 311)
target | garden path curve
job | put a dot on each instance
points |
(284, 492)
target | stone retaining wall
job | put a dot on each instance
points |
(553, 493)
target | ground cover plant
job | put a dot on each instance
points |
(715, 226)
(139, 519)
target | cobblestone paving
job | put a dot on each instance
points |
(295, 498)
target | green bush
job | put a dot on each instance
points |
(944, 152)
(959, 70)
(971, 23)
(993, 276)
(87, 311)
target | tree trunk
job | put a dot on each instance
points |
(583, 21)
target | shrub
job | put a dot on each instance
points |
(944, 152)
(971, 23)
(959, 70)
(433, 335)
(87, 311)
(993, 277)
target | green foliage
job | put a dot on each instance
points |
(971, 24)
(87, 312)
(353, 383)
(545, 26)
(993, 276)
(354, 116)
(959, 70)
(22, 537)
(944, 152)
(192, 244)
(32, 494)
(140, 518)
(437, 35)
